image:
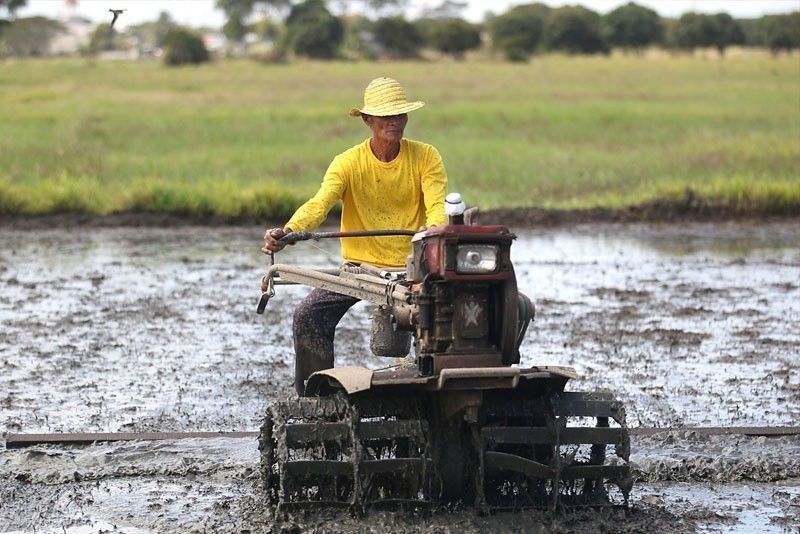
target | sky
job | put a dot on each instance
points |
(203, 12)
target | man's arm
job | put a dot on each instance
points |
(311, 214)
(434, 189)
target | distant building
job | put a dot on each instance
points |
(76, 35)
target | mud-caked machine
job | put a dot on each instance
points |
(462, 423)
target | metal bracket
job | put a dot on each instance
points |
(267, 292)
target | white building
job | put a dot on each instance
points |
(76, 35)
(77, 31)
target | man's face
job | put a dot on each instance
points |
(388, 129)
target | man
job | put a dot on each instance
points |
(386, 182)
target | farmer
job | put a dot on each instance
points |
(385, 182)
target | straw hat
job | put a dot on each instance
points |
(384, 97)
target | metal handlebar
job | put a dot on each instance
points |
(293, 237)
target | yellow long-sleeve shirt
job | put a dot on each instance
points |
(405, 193)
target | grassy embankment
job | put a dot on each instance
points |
(238, 139)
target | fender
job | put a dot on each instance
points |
(351, 379)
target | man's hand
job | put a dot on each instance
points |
(271, 237)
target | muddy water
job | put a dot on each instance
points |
(691, 325)
(154, 329)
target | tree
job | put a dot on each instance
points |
(103, 39)
(694, 30)
(236, 11)
(574, 29)
(448, 9)
(312, 31)
(379, 5)
(235, 29)
(9, 7)
(779, 32)
(241, 9)
(453, 36)
(727, 32)
(633, 26)
(29, 36)
(517, 33)
(182, 47)
(751, 29)
(398, 37)
(358, 41)
(267, 29)
(378, 8)
(164, 25)
(152, 34)
(689, 32)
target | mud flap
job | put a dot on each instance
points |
(350, 379)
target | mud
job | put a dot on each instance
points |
(686, 456)
(211, 485)
(136, 329)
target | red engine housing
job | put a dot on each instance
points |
(463, 319)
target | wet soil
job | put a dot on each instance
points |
(142, 329)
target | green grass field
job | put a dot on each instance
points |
(241, 139)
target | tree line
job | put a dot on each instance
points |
(308, 28)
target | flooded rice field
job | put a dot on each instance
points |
(131, 329)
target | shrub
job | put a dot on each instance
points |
(184, 47)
